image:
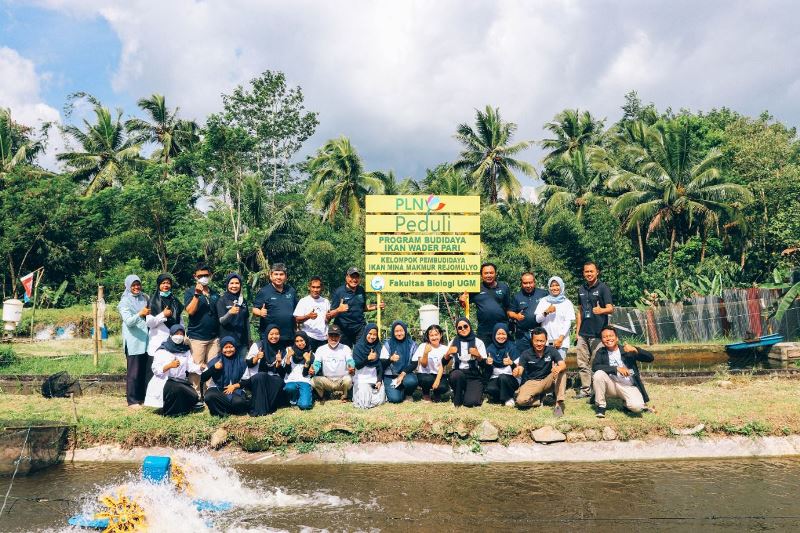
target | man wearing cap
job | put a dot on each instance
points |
(277, 301)
(333, 366)
(311, 314)
(348, 304)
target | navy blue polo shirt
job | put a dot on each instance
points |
(538, 368)
(353, 318)
(491, 303)
(526, 304)
(204, 323)
(588, 298)
(280, 309)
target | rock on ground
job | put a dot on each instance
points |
(218, 438)
(592, 434)
(486, 432)
(547, 435)
(576, 436)
(609, 433)
(688, 431)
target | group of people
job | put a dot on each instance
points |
(309, 348)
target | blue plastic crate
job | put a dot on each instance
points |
(155, 468)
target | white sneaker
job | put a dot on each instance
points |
(510, 403)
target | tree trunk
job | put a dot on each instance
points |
(641, 244)
(703, 248)
(671, 246)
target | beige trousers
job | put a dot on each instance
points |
(322, 384)
(605, 387)
(202, 352)
(532, 388)
(585, 350)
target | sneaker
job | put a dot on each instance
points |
(549, 399)
(558, 411)
(600, 412)
(199, 406)
(582, 394)
(510, 403)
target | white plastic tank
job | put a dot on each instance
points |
(12, 313)
(428, 315)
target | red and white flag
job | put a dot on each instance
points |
(27, 283)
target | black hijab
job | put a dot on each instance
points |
(270, 350)
(297, 352)
(232, 367)
(405, 348)
(459, 337)
(158, 303)
(169, 345)
(237, 326)
(499, 351)
(362, 348)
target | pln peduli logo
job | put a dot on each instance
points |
(434, 203)
(377, 283)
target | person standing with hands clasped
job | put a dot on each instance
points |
(348, 304)
(133, 310)
(616, 374)
(275, 304)
(200, 303)
(311, 314)
(594, 301)
(556, 314)
(522, 310)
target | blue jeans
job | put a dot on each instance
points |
(406, 388)
(299, 394)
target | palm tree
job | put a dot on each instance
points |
(392, 186)
(106, 152)
(445, 180)
(339, 181)
(16, 147)
(572, 182)
(488, 156)
(572, 131)
(165, 128)
(668, 189)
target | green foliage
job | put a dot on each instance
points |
(8, 356)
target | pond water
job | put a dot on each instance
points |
(730, 495)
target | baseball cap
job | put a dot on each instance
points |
(353, 271)
(333, 329)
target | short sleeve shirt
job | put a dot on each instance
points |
(204, 323)
(491, 303)
(280, 309)
(526, 304)
(353, 318)
(538, 368)
(316, 328)
(588, 298)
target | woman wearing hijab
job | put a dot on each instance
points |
(265, 370)
(428, 357)
(233, 313)
(225, 395)
(399, 380)
(502, 353)
(556, 314)
(165, 312)
(368, 380)
(469, 355)
(133, 310)
(169, 389)
(298, 362)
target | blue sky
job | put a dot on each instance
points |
(398, 77)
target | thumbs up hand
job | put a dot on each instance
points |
(167, 312)
(263, 311)
(234, 310)
(218, 365)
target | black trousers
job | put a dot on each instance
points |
(467, 388)
(135, 377)
(426, 383)
(315, 343)
(179, 398)
(351, 335)
(502, 388)
(267, 390)
(219, 404)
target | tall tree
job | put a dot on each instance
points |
(274, 114)
(488, 155)
(163, 127)
(339, 181)
(16, 145)
(105, 152)
(391, 185)
(671, 189)
(571, 183)
(572, 131)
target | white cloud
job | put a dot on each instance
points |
(397, 77)
(20, 92)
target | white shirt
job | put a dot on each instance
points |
(158, 331)
(557, 323)
(615, 360)
(154, 397)
(334, 360)
(316, 328)
(434, 358)
(464, 356)
(296, 371)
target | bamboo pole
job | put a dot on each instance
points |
(379, 313)
(39, 274)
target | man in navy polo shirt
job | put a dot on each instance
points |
(275, 303)
(348, 304)
(522, 310)
(595, 304)
(541, 369)
(492, 302)
(200, 303)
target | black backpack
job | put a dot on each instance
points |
(60, 385)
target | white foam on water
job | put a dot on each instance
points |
(45, 334)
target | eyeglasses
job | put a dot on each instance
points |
(459, 328)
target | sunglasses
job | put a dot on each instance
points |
(459, 328)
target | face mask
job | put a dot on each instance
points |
(177, 339)
(203, 280)
(165, 293)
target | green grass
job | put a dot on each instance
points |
(751, 407)
(76, 365)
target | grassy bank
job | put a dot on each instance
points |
(748, 406)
